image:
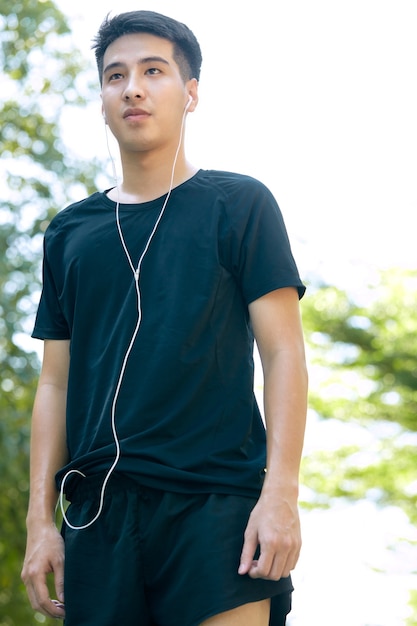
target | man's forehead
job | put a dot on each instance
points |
(141, 45)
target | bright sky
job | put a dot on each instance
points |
(317, 99)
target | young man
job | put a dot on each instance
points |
(182, 511)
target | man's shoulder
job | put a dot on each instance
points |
(65, 216)
(228, 180)
(239, 193)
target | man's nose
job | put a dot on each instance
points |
(134, 88)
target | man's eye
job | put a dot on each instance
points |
(153, 71)
(115, 76)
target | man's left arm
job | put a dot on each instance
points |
(274, 523)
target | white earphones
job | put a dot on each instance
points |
(136, 271)
(187, 106)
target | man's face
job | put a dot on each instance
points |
(143, 93)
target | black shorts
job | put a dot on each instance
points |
(157, 558)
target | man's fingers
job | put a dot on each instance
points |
(59, 581)
(38, 594)
(41, 602)
(277, 535)
(270, 563)
(276, 560)
(38, 591)
(248, 551)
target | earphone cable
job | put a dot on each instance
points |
(136, 273)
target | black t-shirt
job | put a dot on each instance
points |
(186, 416)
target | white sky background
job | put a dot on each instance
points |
(317, 99)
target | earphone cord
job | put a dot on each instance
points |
(136, 273)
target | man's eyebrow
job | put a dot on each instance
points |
(141, 61)
(153, 59)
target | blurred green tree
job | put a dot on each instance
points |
(362, 354)
(364, 365)
(42, 75)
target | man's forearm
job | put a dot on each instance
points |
(285, 405)
(48, 451)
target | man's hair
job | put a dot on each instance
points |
(187, 52)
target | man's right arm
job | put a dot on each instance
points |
(48, 454)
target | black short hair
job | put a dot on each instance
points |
(187, 52)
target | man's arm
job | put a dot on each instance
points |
(45, 550)
(274, 523)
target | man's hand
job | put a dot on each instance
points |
(274, 526)
(44, 555)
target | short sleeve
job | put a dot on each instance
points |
(259, 247)
(50, 321)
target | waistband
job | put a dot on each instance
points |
(79, 488)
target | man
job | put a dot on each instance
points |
(182, 511)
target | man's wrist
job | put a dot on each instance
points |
(282, 487)
(40, 517)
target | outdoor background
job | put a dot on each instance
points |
(317, 99)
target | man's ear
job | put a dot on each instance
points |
(192, 88)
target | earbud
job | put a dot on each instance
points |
(190, 99)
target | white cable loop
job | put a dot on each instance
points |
(136, 275)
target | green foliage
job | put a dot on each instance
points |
(364, 373)
(42, 75)
(372, 346)
(362, 354)
(412, 620)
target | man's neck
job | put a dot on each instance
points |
(146, 178)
